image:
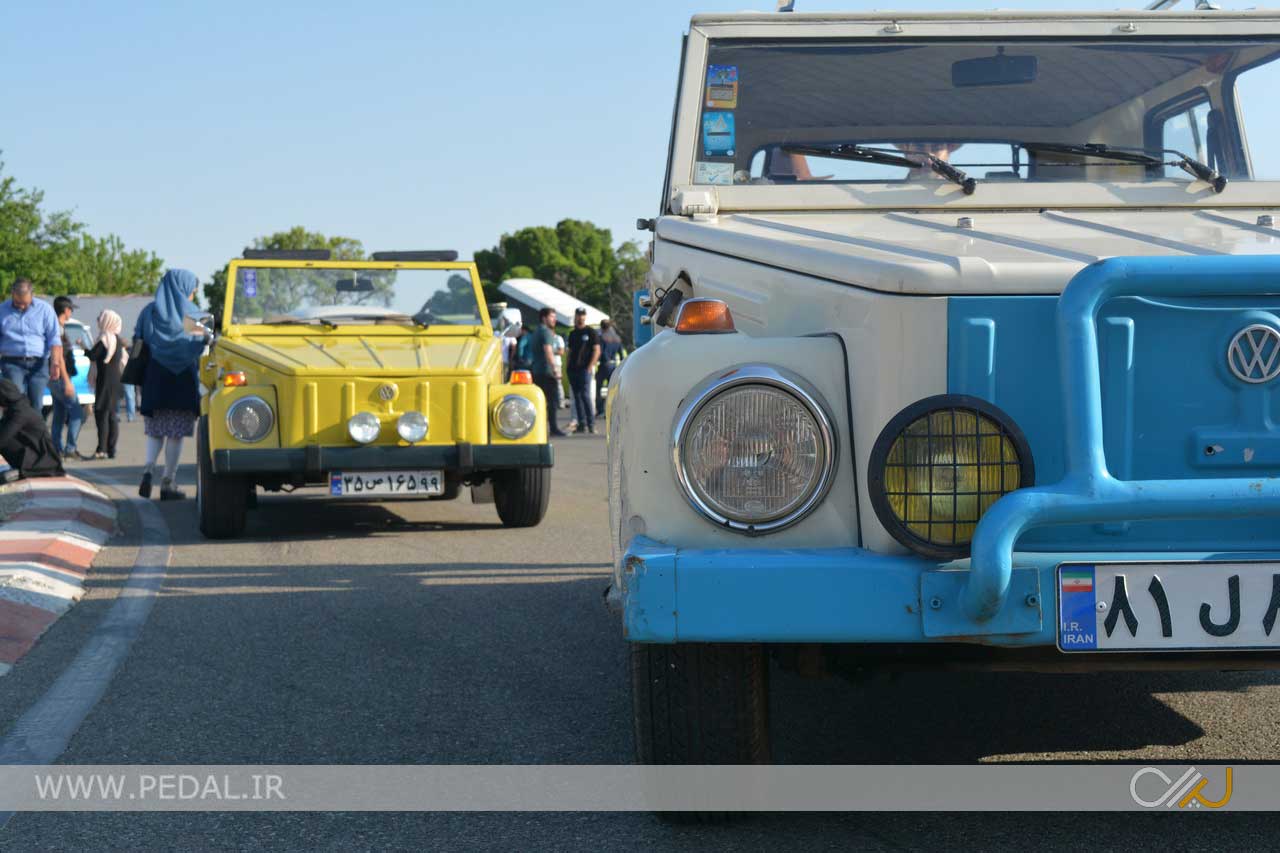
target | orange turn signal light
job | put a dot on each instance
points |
(702, 316)
(234, 379)
(521, 377)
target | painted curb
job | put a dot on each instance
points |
(46, 548)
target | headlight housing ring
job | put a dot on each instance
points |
(939, 465)
(754, 450)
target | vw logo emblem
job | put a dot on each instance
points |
(387, 392)
(1254, 354)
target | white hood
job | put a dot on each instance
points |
(1003, 252)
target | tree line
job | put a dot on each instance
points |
(58, 253)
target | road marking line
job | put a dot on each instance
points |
(42, 733)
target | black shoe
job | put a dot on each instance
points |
(592, 429)
(171, 493)
(580, 430)
(144, 488)
(559, 433)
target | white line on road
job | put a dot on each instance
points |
(42, 733)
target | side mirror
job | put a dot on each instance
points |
(200, 325)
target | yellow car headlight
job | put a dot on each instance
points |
(754, 450)
(364, 427)
(939, 465)
(514, 416)
(412, 427)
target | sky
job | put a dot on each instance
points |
(191, 128)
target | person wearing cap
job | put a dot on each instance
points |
(67, 411)
(584, 355)
(30, 342)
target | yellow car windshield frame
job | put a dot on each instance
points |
(384, 327)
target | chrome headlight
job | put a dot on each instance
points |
(939, 465)
(754, 450)
(514, 416)
(364, 428)
(250, 419)
(412, 427)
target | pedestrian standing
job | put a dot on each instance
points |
(30, 342)
(557, 367)
(610, 358)
(584, 354)
(542, 344)
(68, 414)
(170, 388)
(108, 357)
(131, 403)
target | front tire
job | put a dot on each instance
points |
(521, 495)
(222, 501)
(700, 703)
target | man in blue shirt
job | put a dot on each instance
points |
(30, 342)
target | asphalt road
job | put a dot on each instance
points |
(426, 633)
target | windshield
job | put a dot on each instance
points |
(982, 107)
(423, 297)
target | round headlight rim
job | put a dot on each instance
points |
(497, 425)
(377, 434)
(781, 380)
(890, 433)
(243, 400)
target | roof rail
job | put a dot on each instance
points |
(437, 255)
(286, 254)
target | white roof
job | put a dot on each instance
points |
(538, 294)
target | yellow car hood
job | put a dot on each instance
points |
(311, 354)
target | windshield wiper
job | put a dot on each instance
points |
(884, 157)
(304, 321)
(1137, 156)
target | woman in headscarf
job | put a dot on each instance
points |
(108, 357)
(25, 442)
(170, 388)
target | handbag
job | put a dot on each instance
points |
(136, 369)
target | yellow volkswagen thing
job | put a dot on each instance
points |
(374, 379)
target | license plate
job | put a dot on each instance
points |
(1168, 606)
(362, 484)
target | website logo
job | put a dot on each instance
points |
(1152, 788)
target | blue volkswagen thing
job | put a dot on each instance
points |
(967, 351)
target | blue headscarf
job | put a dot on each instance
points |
(169, 344)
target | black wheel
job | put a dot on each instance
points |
(700, 703)
(521, 495)
(222, 501)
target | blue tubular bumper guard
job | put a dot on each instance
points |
(1088, 492)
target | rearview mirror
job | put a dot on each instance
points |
(200, 324)
(354, 285)
(998, 70)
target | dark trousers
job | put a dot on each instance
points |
(106, 415)
(580, 382)
(550, 386)
(603, 373)
(29, 374)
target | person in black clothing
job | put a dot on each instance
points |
(584, 353)
(25, 442)
(108, 357)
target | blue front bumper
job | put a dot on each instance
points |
(999, 596)
(840, 595)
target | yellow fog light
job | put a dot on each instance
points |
(364, 428)
(939, 465)
(412, 426)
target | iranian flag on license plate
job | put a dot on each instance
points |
(1077, 581)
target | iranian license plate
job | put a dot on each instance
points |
(361, 484)
(1168, 606)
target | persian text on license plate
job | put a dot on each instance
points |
(359, 484)
(1168, 606)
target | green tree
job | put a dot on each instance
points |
(296, 238)
(58, 254)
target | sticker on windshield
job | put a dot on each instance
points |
(722, 87)
(717, 134)
(251, 283)
(713, 173)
